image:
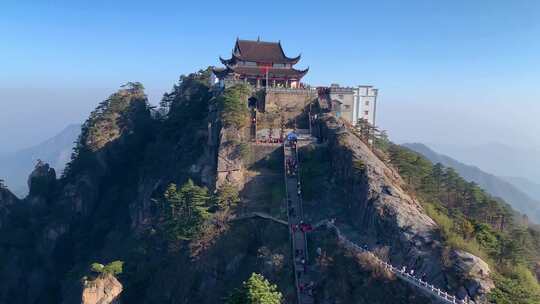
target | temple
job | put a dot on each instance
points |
(261, 64)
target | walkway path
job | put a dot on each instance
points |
(441, 295)
(303, 280)
(259, 215)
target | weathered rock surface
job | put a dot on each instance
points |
(474, 272)
(103, 290)
(6, 199)
(42, 180)
(388, 216)
(230, 167)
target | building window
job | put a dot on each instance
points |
(340, 96)
(366, 113)
(367, 102)
(347, 106)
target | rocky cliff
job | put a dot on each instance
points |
(108, 205)
(104, 289)
(382, 214)
(7, 199)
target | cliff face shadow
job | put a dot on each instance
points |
(264, 188)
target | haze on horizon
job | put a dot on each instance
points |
(457, 73)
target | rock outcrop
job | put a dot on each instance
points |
(105, 289)
(7, 199)
(230, 166)
(42, 180)
(474, 272)
(388, 216)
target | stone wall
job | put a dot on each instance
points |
(292, 103)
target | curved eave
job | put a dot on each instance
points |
(227, 61)
(302, 73)
(220, 72)
(293, 60)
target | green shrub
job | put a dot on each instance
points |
(227, 196)
(514, 290)
(449, 234)
(256, 290)
(113, 268)
(97, 267)
(233, 106)
(185, 210)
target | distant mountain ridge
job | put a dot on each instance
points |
(494, 185)
(15, 167)
(497, 158)
(531, 188)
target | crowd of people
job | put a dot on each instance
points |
(292, 166)
(269, 140)
(302, 227)
(411, 273)
(298, 227)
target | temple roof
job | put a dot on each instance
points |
(259, 51)
(256, 71)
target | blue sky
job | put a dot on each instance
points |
(102, 43)
(448, 71)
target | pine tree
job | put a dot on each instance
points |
(186, 210)
(256, 290)
(227, 196)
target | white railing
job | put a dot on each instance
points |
(401, 274)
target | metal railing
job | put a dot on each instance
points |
(441, 295)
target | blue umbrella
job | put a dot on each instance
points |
(292, 136)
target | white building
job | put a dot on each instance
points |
(365, 103)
